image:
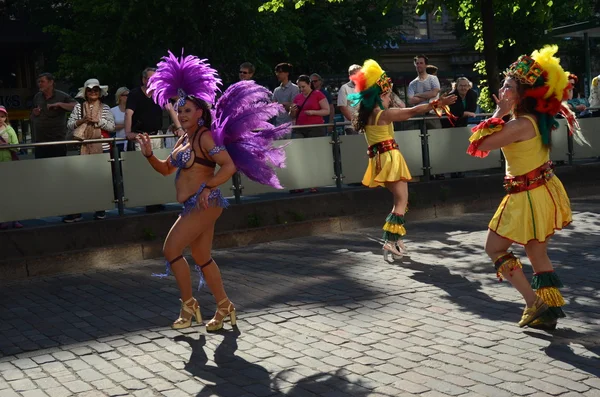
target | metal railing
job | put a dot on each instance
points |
(62, 185)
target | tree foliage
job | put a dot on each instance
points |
(114, 40)
(500, 29)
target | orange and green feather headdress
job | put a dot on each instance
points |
(370, 83)
(549, 87)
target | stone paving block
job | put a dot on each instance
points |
(116, 392)
(34, 393)
(103, 384)
(516, 389)
(9, 393)
(409, 386)
(567, 383)
(58, 392)
(546, 387)
(47, 383)
(483, 378)
(81, 351)
(133, 384)
(77, 386)
(489, 391)
(46, 358)
(21, 385)
(175, 393)
(92, 393)
(12, 375)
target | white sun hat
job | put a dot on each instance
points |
(91, 83)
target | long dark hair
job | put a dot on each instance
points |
(527, 105)
(361, 118)
(206, 116)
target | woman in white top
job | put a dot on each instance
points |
(119, 115)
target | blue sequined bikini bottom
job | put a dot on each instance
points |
(215, 199)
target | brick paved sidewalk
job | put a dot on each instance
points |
(318, 316)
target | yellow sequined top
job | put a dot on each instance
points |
(522, 157)
(379, 133)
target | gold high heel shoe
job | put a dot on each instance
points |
(192, 310)
(531, 313)
(391, 248)
(214, 324)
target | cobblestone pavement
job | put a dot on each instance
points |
(318, 316)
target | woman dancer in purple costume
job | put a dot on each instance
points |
(227, 138)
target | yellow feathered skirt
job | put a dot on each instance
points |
(389, 166)
(533, 214)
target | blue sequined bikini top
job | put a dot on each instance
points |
(183, 156)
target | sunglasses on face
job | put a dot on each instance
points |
(124, 94)
(244, 72)
(95, 89)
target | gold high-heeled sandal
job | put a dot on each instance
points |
(391, 248)
(214, 324)
(192, 310)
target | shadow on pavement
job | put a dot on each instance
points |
(561, 349)
(230, 370)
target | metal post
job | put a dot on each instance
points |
(337, 156)
(118, 178)
(425, 152)
(570, 153)
(588, 66)
(237, 187)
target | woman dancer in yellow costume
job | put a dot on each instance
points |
(387, 166)
(536, 204)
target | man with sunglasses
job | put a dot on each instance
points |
(50, 107)
(247, 71)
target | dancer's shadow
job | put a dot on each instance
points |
(233, 375)
(325, 384)
(560, 349)
(230, 371)
(461, 291)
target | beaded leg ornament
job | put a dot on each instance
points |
(168, 271)
(202, 280)
(546, 286)
(506, 263)
(393, 230)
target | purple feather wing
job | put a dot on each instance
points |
(240, 123)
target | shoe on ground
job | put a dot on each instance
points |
(72, 218)
(100, 215)
(543, 324)
(17, 225)
(531, 313)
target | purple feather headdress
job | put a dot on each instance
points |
(240, 123)
(183, 77)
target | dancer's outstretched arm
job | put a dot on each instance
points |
(163, 167)
(399, 114)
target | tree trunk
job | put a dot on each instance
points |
(490, 47)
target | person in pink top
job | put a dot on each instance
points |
(308, 108)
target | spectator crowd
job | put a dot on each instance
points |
(307, 104)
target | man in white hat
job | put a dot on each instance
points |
(50, 107)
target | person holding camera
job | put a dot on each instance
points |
(308, 108)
